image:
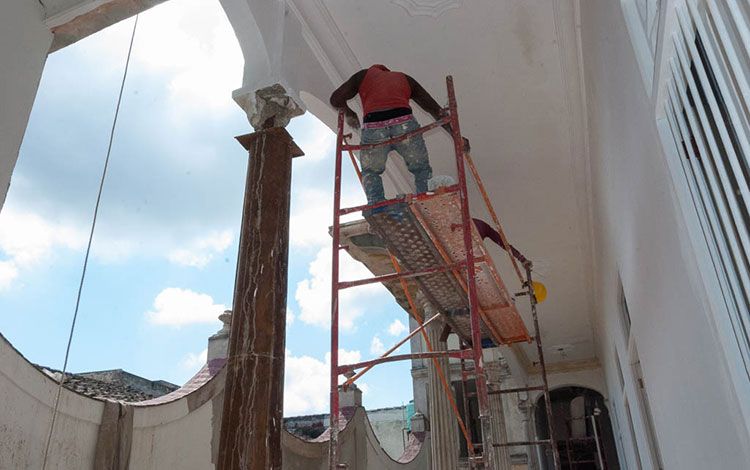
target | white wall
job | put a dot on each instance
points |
(387, 425)
(178, 433)
(27, 397)
(24, 42)
(640, 237)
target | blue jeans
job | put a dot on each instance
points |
(413, 151)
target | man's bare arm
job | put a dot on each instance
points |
(424, 99)
(344, 93)
(428, 103)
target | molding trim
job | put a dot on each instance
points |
(60, 17)
(319, 29)
(567, 366)
(433, 8)
(88, 17)
(312, 41)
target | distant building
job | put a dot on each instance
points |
(390, 426)
(115, 384)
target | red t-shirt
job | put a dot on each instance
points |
(382, 89)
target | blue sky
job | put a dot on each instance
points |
(165, 249)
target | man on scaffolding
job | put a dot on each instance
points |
(385, 99)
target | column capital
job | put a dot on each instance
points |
(493, 371)
(271, 106)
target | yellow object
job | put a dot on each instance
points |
(540, 291)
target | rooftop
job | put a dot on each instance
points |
(113, 384)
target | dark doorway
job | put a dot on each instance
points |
(583, 430)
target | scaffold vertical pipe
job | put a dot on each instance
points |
(476, 337)
(540, 352)
(465, 393)
(334, 419)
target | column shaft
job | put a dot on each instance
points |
(253, 397)
(499, 432)
(443, 424)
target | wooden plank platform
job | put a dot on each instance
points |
(427, 232)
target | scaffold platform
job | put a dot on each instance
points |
(426, 231)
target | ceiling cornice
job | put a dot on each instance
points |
(433, 8)
(323, 35)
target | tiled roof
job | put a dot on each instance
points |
(97, 388)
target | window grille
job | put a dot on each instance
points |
(707, 107)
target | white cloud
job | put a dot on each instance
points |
(201, 251)
(190, 42)
(28, 240)
(8, 272)
(206, 71)
(319, 142)
(308, 224)
(194, 361)
(396, 328)
(314, 293)
(289, 316)
(176, 307)
(306, 382)
(376, 346)
(312, 215)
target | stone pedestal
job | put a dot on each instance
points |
(253, 398)
(443, 425)
(351, 398)
(419, 423)
(218, 344)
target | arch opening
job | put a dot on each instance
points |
(583, 430)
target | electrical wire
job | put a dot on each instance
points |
(88, 251)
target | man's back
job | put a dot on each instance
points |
(382, 89)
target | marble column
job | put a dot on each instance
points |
(252, 421)
(494, 372)
(529, 434)
(499, 431)
(443, 425)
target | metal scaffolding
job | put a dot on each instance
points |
(433, 241)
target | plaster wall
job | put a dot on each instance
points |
(173, 431)
(388, 425)
(173, 436)
(641, 239)
(24, 42)
(25, 414)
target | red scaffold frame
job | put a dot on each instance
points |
(474, 351)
